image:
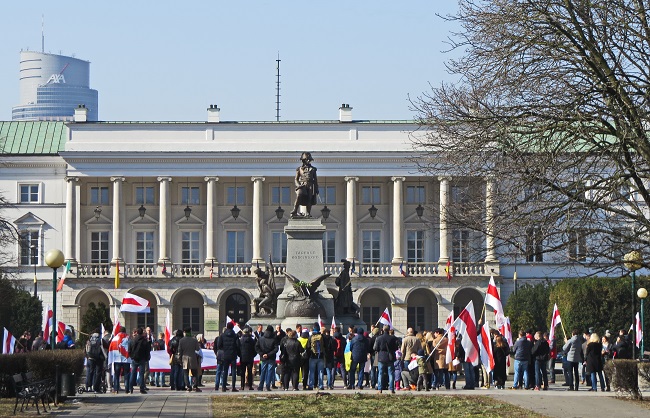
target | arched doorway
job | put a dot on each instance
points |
(97, 300)
(422, 310)
(462, 298)
(143, 320)
(188, 310)
(373, 302)
(237, 306)
(94, 296)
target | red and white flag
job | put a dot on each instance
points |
(168, 331)
(333, 323)
(485, 344)
(116, 321)
(506, 331)
(321, 324)
(60, 331)
(450, 354)
(134, 303)
(639, 330)
(555, 321)
(492, 298)
(235, 327)
(449, 322)
(385, 318)
(116, 350)
(47, 323)
(8, 342)
(465, 325)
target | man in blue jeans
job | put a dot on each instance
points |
(359, 349)
(140, 353)
(228, 343)
(385, 347)
(267, 348)
(522, 351)
(316, 346)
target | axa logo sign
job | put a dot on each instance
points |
(56, 79)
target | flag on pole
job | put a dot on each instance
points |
(65, 273)
(506, 331)
(449, 321)
(60, 331)
(134, 303)
(333, 323)
(385, 318)
(492, 298)
(168, 331)
(401, 269)
(555, 321)
(116, 321)
(465, 325)
(321, 324)
(485, 343)
(164, 269)
(450, 354)
(448, 270)
(47, 323)
(639, 332)
(235, 327)
(118, 348)
(8, 342)
(117, 274)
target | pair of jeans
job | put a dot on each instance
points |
(219, 372)
(356, 367)
(316, 366)
(541, 376)
(159, 378)
(594, 384)
(266, 374)
(470, 376)
(331, 375)
(94, 374)
(224, 373)
(344, 373)
(442, 377)
(521, 369)
(381, 366)
(574, 375)
(118, 369)
(290, 374)
(134, 376)
(176, 380)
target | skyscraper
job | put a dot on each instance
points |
(52, 86)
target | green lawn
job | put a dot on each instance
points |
(360, 405)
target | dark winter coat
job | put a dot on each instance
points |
(359, 348)
(593, 358)
(541, 350)
(521, 349)
(229, 343)
(500, 363)
(247, 348)
(266, 344)
(385, 347)
(140, 348)
(292, 349)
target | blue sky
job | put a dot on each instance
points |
(168, 60)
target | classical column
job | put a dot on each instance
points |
(444, 232)
(351, 218)
(257, 219)
(209, 219)
(165, 210)
(489, 220)
(70, 219)
(118, 209)
(398, 223)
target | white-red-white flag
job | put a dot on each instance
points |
(8, 342)
(134, 303)
(321, 324)
(465, 325)
(333, 323)
(116, 321)
(485, 343)
(168, 331)
(47, 323)
(449, 321)
(555, 321)
(385, 318)
(450, 354)
(506, 331)
(235, 327)
(117, 349)
(639, 330)
(60, 331)
(492, 298)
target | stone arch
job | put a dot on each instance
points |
(94, 295)
(188, 309)
(134, 320)
(372, 302)
(422, 309)
(461, 298)
(235, 303)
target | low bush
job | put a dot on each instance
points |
(43, 363)
(644, 371)
(624, 377)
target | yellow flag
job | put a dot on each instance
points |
(117, 274)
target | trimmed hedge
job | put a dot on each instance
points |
(624, 377)
(644, 371)
(43, 363)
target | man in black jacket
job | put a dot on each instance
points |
(540, 354)
(267, 348)
(385, 346)
(247, 357)
(229, 343)
(140, 353)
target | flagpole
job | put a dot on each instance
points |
(434, 348)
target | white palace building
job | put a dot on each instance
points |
(187, 210)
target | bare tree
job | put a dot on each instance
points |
(552, 103)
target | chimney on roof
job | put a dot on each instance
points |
(213, 113)
(345, 113)
(80, 114)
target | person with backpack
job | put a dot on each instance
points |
(339, 342)
(330, 361)
(140, 353)
(316, 348)
(267, 347)
(385, 347)
(291, 351)
(247, 358)
(95, 361)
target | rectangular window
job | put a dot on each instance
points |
(238, 195)
(460, 245)
(460, 194)
(329, 247)
(577, 246)
(144, 247)
(144, 195)
(415, 195)
(191, 319)
(534, 249)
(370, 314)
(190, 247)
(280, 195)
(415, 246)
(146, 320)
(99, 247)
(328, 195)
(235, 245)
(190, 196)
(370, 195)
(29, 193)
(279, 247)
(371, 246)
(29, 248)
(99, 195)
(415, 317)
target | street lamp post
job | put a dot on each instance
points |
(633, 261)
(642, 293)
(54, 259)
(34, 261)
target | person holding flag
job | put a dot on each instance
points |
(492, 298)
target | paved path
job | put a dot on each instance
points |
(161, 402)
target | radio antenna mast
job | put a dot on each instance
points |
(277, 90)
(43, 33)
